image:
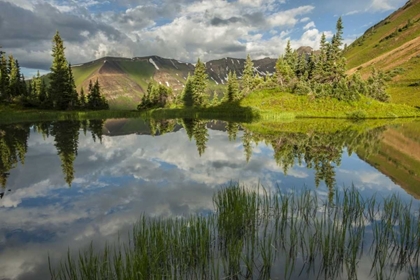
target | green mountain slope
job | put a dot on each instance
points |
(399, 156)
(392, 45)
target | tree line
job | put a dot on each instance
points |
(321, 74)
(59, 94)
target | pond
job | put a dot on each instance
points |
(65, 184)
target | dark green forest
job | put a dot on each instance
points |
(59, 94)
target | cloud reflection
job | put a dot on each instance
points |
(123, 177)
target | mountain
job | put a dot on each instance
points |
(398, 156)
(124, 80)
(392, 45)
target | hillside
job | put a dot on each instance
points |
(399, 156)
(392, 45)
(125, 80)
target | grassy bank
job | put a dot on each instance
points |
(253, 234)
(276, 105)
(15, 115)
(224, 112)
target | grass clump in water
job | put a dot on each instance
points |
(256, 234)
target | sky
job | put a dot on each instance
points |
(184, 30)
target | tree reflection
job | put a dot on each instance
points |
(13, 148)
(161, 127)
(320, 151)
(197, 129)
(66, 137)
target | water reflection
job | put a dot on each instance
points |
(161, 168)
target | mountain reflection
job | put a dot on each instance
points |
(319, 151)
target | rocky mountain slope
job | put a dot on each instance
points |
(125, 80)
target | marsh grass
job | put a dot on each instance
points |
(253, 234)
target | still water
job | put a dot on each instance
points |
(66, 184)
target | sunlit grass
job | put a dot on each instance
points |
(273, 102)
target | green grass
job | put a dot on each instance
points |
(273, 104)
(225, 112)
(273, 128)
(360, 52)
(253, 234)
(82, 73)
(10, 115)
(138, 71)
(402, 88)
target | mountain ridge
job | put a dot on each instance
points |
(124, 80)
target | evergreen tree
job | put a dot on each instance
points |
(232, 93)
(4, 79)
(284, 72)
(14, 78)
(60, 89)
(199, 83)
(188, 93)
(248, 75)
(320, 66)
(377, 86)
(336, 61)
(71, 88)
(43, 98)
(215, 100)
(95, 100)
(82, 99)
(289, 56)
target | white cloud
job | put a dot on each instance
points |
(289, 17)
(352, 13)
(381, 5)
(309, 25)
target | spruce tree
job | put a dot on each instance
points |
(232, 93)
(284, 72)
(248, 74)
(14, 78)
(4, 79)
(71, 89)
(59, 79)
(82, 99)
(95, 100)
(199, 83)
(187, 94)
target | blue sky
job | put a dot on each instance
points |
(183, 30)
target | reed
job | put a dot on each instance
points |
(252, 233)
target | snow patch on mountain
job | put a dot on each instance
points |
(174, 64)
(154, 64)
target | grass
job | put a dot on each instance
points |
(403, 89)
(273, 104)
(138, 71)
(225, 112)
(15, 115)
(369, 46)
(82, 73)
(253, 234)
